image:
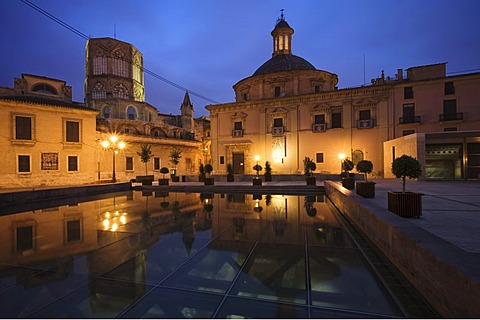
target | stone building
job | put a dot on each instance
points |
(114, 85)
(288, 110)
(46, 138)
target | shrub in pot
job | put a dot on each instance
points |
(230, 176)
(175, 156)
(348, 179)
(257, 181)
(405, 204)
(365, 188)
(308, 167)
(163, 181)
(208, 180)
(268, 171)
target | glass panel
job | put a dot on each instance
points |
(23, 128)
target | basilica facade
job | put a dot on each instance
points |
(288, 110)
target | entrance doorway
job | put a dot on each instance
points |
(238, 163)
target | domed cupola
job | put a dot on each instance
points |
(282, 37)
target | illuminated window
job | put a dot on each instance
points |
(72, 163)
(99, 65)
(99, 91)
(131, 113)
(72, 131)
(120, 91)
(23, 163)
(129, 163)
(44, 88)
(23, 128)
(137, 73)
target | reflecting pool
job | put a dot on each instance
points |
(185, 255)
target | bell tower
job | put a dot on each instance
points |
(282, 37)
(186, 112)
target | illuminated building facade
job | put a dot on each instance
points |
(45, 139)
(288, 110)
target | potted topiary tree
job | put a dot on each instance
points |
(201, 173)
(145, 154)
(208, 180)
(257, 181)
(348, 179)
(175, 156)
(405, 204)
(365, 188)
(268, 171)
(230, 176)
(309, 166)
(163, 181)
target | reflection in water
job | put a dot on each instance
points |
(274, 248)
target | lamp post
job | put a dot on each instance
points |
(115, 145)
(342, 157)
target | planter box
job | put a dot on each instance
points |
(175, 179)
(268, 177)
(257, 181)
(311, 181)
(230, 177)
(163, 182)
(408, 204)
(209, 181)
(201, 178)
(348, 183)
(366, 189)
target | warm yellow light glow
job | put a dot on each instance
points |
(105, 144)
(256, 157)
(123, 219)
(116, 213)
(257, 203)
(106, 223)
(114, 226)
(277, 156)
(113, 139)
(342, 156)
(121, 145)
(107, 214)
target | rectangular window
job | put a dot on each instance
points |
(336, 119)
(317, 89)
(408, 93)
(72, 163)
(72, 131)
(450, 107)
(156, 164)
(23, 163)
(23, 128)
(409, 111)
(237, 125)
(278, 122)
(277, 92)
(319, 157)
(24, 238)
(222, 159)
(450, 129)
(319, 119)
(407, 132)
(73, 230)
(364, 115)
(129, 163)
(449, 88)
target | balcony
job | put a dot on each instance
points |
(411, 119)
(451, 116)
(237, 133)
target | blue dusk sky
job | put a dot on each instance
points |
(208, 46)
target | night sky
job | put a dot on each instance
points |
(208, 46)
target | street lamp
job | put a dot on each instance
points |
(115, 145)
(342, 156)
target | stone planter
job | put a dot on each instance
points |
(209, 181)
(408, 204)
(268, 177)
(257, 181)
(163, 182)
(366, 189)
(175, 178)
(311, 181)
(348, 183)
(230, 178)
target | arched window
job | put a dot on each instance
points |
(106, 112)
(99, 91)
(99, 65)
(44, 88)
(120, 91)
(131, 113)
(120, 64)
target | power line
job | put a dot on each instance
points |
(84, 36)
